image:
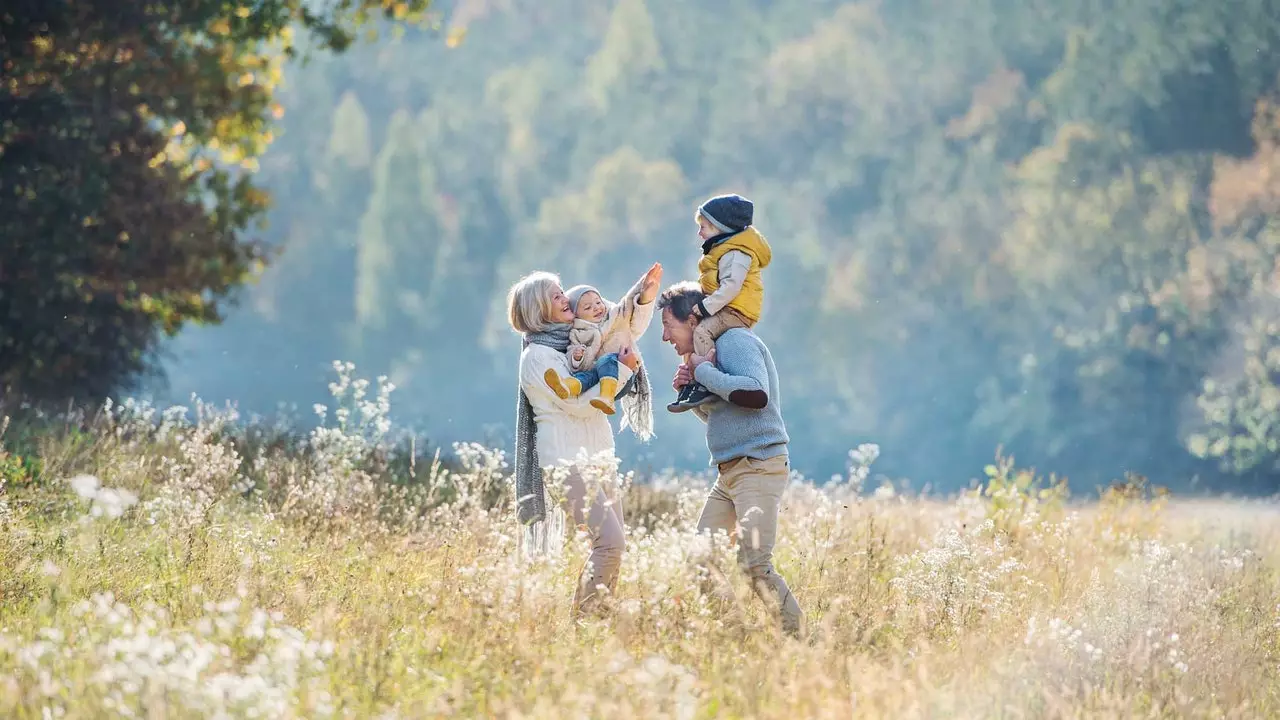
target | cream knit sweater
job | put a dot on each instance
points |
(566, 427)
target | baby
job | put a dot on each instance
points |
(733, 254)
(600, 331)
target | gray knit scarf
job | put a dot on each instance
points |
(531, 505)
(636, 399)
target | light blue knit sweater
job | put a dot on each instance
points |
(744, 363)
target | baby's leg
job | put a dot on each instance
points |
(573, 385)
(607, 366)
(607, 370)
(587, 378)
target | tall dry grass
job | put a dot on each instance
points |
(155, 566)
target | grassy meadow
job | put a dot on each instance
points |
(165, 566)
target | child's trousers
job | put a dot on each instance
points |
(704, 336)
(606, 366)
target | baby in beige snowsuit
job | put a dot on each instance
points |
(600, 331)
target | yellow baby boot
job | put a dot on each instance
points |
(608, 388)
(566, 388)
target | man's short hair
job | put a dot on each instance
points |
(681, 298)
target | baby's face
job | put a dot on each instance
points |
(591, 307)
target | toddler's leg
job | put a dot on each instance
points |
(704, 341)
(607, 368)
(710, 330)
(704, 336)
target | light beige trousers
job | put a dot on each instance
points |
(709, 329)
(744, 502)
(601, 519)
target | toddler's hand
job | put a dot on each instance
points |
(696, 360)
(579, 354)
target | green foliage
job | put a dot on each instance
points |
(126, 201)
(629, 52)
(1043, 226)
(17, 470)
(1134, 488)
(1016, 497)
(20, 464)
(396, 243)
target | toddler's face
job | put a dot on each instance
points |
(591, 307)
(706, 230)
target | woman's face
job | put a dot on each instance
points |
(561, 312)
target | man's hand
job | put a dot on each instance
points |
(684, 376)
(628, 357)
(649, 285)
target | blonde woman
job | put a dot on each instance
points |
(552, 432)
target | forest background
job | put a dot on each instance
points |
(1046, 226)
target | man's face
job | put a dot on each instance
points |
(678, 334)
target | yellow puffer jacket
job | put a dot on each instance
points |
(750, 300)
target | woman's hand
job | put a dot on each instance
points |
(628, 357)
(650, 284)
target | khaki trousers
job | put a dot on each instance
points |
(744, 502)
(708, 329)
(601, 518)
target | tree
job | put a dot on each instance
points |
(397, 247)
(126, 130)
(1042, 225)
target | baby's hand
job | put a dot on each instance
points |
(578, 354)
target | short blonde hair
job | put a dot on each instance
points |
(529, 302)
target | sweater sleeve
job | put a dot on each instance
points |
(641, 316)
(741, 367)
(533, 365)
(630, 311)
(733, 267)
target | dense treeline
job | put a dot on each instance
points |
(125, 211)
(1042, 225)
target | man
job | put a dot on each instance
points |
(746, 437)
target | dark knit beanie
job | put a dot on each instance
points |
(730, 213)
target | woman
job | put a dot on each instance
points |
(551, 432)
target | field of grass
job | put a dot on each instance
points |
(159, 567)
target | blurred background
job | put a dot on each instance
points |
(1044, 225)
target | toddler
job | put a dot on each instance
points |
(733, 254)
(600, 331)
